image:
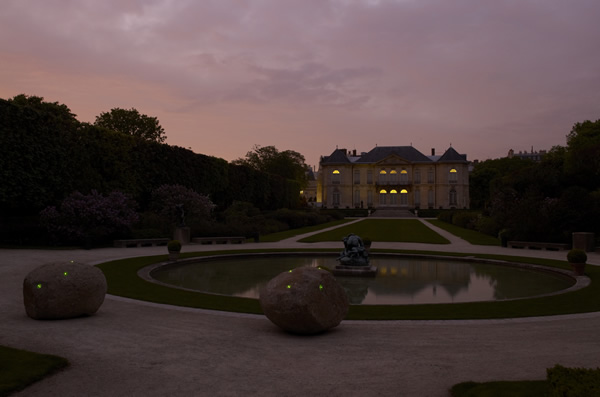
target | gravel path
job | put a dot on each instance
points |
(132, 348)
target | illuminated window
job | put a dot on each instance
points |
(403, 177)
(453, 178)
(403, 197)
(382, 177)
(393, 197)
(382, 197)
(393, 176)
(336, 177)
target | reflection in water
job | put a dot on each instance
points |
(398, 281)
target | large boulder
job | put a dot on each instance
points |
(63, 290)
(305, 300)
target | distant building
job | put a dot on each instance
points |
(534, 156)
(393, 176)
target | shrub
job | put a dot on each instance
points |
(573, 382)
(90, 218)
(464, 219)
(487, 225)
(576, 256)
(174, 246)
(446, 216)
(167, 198)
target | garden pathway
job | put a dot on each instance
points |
(132, 348)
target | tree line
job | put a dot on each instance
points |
(46, 154)
(546, 200)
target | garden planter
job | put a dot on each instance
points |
(578, 268)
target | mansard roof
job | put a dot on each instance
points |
(380, 153)
(453, 156)
(407, 153)
(337, 157)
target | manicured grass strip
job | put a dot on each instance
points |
(386, 230)
(21, 368)
(528, 388)
(471, 236)
(274, 237)
(123, 281)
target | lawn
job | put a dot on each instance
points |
(530, 388)
(20, 368)
(471, 236)
(274, 237)
(385, 230)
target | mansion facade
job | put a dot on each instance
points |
(393, 177)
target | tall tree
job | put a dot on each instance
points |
(582, 162)
(131, 122)
(288, 164)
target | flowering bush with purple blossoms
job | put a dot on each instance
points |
(167, 198)
(90, 218)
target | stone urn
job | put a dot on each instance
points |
(577, 259)
(174, 248)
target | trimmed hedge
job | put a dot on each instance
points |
(573, 382)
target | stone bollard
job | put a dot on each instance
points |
(63, 290)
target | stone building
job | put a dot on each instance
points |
(393, 177)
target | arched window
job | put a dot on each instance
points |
(403, 177)
(336, 177)
(382, 197)
(403, 197)
(393, 197)
(382, 177)
(393, 177)
(453, 178)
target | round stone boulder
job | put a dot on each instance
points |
(63, 290)
(305, 300)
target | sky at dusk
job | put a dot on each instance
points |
(483, 76)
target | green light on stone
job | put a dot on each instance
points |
(39, 286)
(66, 273)
(290, 271)
(289, 286)
(320, 286)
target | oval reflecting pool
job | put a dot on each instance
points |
(399, 280)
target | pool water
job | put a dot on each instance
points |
(399, 280)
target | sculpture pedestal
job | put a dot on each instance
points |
(355, 271)
(182, 234)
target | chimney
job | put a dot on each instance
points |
(354, 152)
(433, 151)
